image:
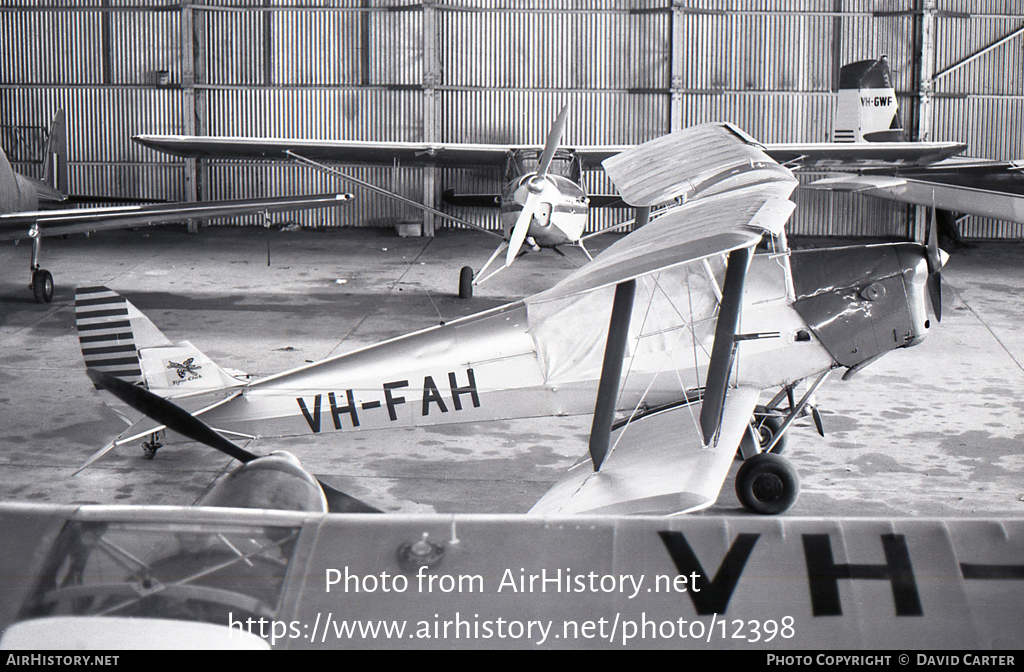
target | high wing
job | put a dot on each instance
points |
(452, 155)
(860, 155)
(60, 222)
(960, 184)
(719, 195)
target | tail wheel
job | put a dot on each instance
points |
(466, 283)
(42, 286)
(767, 484)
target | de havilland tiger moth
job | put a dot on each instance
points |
(669, 338)
(21, 197)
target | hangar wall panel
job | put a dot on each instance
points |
(488, 71)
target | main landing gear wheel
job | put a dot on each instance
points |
(42, 286)
(767, 484)
(466, 283)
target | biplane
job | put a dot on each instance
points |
(20, 216)
(669, 339)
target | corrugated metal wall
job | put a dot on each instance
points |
(486, 71)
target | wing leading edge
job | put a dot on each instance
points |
(451, 154)
(60, 222)
(657, 465)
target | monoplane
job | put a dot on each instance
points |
(20, 216)
(542, 199)
(669, 339)
(869, 156)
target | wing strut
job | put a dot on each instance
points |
(725, 343)
(611, 372)
(384, 192)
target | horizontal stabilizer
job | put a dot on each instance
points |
(116, 338)
(657, 465)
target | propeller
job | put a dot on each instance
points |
(179, 420)
(935, 263)
(538, 186)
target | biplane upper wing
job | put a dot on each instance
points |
(80, 220)
(731, 194)
(734, 194)
(444, 154)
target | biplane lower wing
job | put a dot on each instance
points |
(657, 464)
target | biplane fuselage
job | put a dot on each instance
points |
(521, 361)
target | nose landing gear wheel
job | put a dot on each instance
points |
(466, 283)
(767, 484)
(42, 286)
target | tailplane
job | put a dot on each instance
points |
(117, 339)
(867, 110)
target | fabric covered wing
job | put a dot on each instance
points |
(80, 220)
(657, 465)
(695, 230)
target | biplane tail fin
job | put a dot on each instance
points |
(116, 338)
(55, 166)
(867, 109)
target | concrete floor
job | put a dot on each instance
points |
(931, 431)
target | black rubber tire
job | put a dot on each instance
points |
(767, 427)
(466, 283)
(42, 286)
(767, 484)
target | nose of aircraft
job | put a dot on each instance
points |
(922, 267)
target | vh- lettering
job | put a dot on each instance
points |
(710, 597)
(336, 411)
(346, 402)
(313, 420)
(823, 574)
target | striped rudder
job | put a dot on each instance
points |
(105, 333)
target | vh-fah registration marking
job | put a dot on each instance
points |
(433, 399)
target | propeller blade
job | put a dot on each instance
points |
(522, 227)
(935, 293)
(551, 144)
(934, 259)
(817, 420)
(167, 413)
(935, 263)
(340, 502)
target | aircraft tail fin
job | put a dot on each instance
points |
(867, 109)
(118, 339)
(55, 167)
